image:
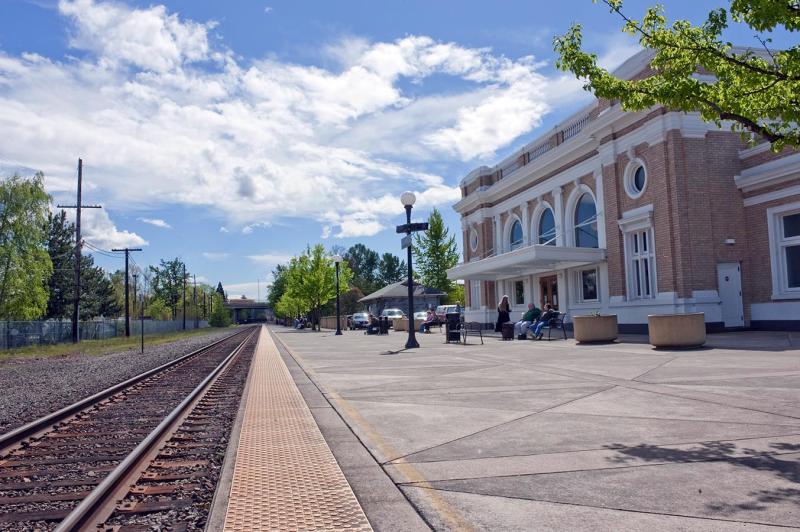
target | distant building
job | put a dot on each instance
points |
(651, 212)
(396, 296)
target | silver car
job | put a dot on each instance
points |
(360, 320)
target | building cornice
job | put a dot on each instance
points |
(769, 173)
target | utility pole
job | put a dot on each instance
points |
(78, 245)
(127, 307)
(135, 278)
(184, 296)
(205, 298)
(194, 300)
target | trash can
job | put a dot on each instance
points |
(508, 331)
(453, 326)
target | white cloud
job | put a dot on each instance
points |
(268, 9)
(99, 230)
(250, 290)
(163, 116)
(214, 255)
(270, 259)
(223, 229)
(158, 222)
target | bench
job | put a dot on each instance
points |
(471, 327)
(557, 324)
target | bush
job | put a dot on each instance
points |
(220, 317)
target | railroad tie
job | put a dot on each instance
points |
(285, 476)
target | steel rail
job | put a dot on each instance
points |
(86, 510)
(13, 437)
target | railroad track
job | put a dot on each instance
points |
(144, 454)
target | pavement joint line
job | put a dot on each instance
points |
(659, 366)
(448, 391)
(612, 508)
(445, 510)
(285, 476)
(590, 449)
(499, 425)
(715, 421)
(644, 387)
(730, 459)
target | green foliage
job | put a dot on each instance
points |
(61, 248)
(757, 91)
(435, 253)
(25, 265)
(364, 263)
(278, 288)
(158, 310)
(98, 297)
(220, 290)
(311, 282)
(391, 269)
(454, 295)
(167, 283)
(220, 316)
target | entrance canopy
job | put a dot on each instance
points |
(526, 261)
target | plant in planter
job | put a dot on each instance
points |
(595, 327)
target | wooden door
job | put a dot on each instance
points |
(548, 291)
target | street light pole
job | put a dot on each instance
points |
(337, 260)
(408, 199)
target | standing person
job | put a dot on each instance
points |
(503, 314)
(544, 319)
(521, 327)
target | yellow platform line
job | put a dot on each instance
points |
(285, 476)
(448, 514)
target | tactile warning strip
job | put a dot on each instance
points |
(285, 477)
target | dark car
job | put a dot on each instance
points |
(360, 320)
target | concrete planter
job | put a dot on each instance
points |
(677, 330)
(401, 324)
(595, 328)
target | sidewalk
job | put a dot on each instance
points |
(558, 436)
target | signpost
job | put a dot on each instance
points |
(408, 228)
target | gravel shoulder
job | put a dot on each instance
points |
(34, 387)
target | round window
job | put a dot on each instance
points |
(473, 240)
(635, 179)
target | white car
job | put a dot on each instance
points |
(392, 313)
(360, 320)
(422, 315)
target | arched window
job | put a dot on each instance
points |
(586, 222)
(516, 235)
(547, 228)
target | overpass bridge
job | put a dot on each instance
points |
(245, 310)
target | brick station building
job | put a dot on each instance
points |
(653, 212)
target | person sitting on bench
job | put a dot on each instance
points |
(430, 319)
(544, 319)
(530, 317)
(374, 326)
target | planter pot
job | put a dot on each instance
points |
(677, 330)
(595, 328)
(400, 324)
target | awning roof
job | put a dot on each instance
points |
(526, 261)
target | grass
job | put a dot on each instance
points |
(98, 347)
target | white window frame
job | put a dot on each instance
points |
(538, 221)
(630, 174)
(474, 294)
(579, 285)
(473, 240)
(641, 257)
(633, 223)
(777, 247)
(571, 209)
(511, 245)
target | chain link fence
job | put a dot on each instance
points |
(16, 334)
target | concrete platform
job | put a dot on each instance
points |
(559, 436)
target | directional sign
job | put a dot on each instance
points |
(405, 242)
(412, 228)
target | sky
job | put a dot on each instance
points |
(234, 134)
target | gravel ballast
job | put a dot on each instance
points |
(34, 387)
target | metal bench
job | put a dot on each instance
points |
(556, 323)
(471, 327)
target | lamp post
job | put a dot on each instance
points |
(337, 259)
(408, 199)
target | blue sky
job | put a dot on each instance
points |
(233, 134)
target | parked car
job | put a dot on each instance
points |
(392, 313)
(443, 310)
(360, 320)
(421, 315)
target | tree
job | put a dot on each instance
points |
(61, 248)
(158, 310)
(435, 254)
(98, 297)
(311, 282)
(391, 269)
(363, 261)
(220, 316)
(221, 291)
(758, 91)
(25, 265)
(168, 281)
(278, 288)
(349, 301)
